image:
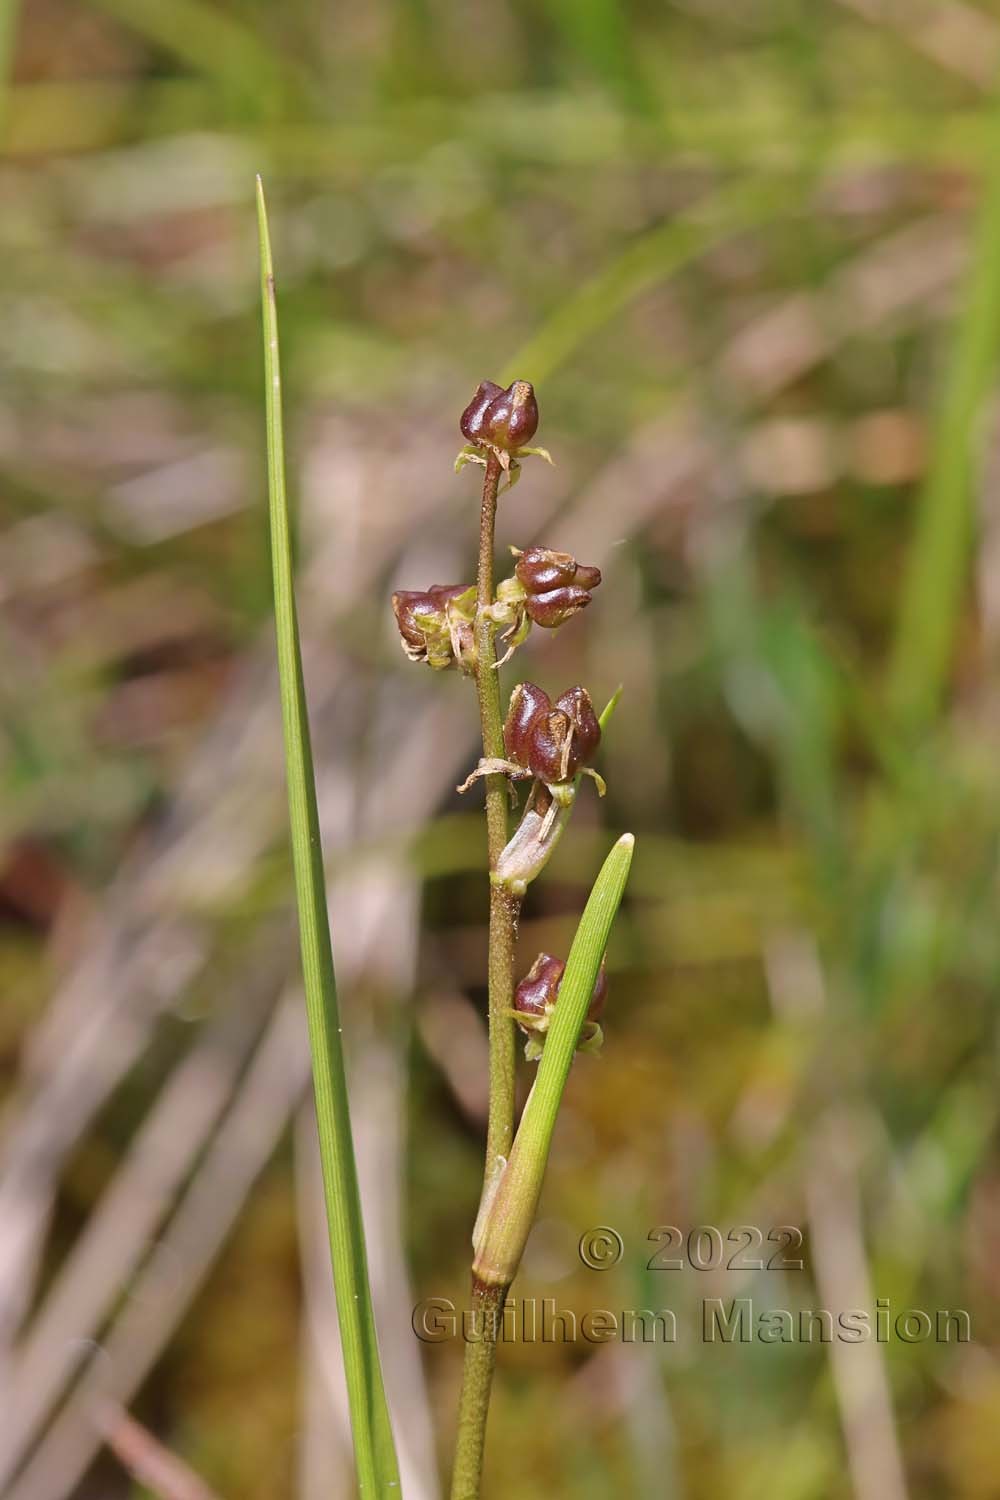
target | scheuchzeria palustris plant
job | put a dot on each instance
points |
(544, 742)
(549, 744)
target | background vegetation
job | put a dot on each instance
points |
(750, 256)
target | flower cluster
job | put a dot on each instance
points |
(501, 419)
(555, 585)
(547, 588)
(502, 422)
(535, 1000)
(551, 741)
(549, 744)
(436, 625)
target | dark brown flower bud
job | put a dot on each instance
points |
(576, 702)
(410, 606)
(555, 585)
(471, 421)
(436, 625)
(535, 999)
(443, 594)
(541, 568)
(537, 991)
(526, 702)
(511, 420)
(550, 747)
(553, 741)
(556, 606)
(587, 575)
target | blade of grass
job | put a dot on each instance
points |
(373, 1443)
(939, 556)
(9, 10)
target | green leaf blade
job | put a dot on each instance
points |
(509, 1217)
(378, 1474)
(941, 546)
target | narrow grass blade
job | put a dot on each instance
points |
(939, 558)
(508, 1222)
(373, 1444)
(9, 13)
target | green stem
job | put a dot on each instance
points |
(480, 1354)
(504, 911)
(504, 908)
(477, 1382)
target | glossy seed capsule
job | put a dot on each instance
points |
(527, 701)
(537, 992)
(552, 740)
(511, 420)
(410, 606)
(442, 594)
(551, 752)
(471, 421)
(587, 576)
(576, 702)
(542, 568)
(538, 989)
(556, 606)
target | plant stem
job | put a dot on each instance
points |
(480, 1353)
(477, 1382)
(504, 908)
